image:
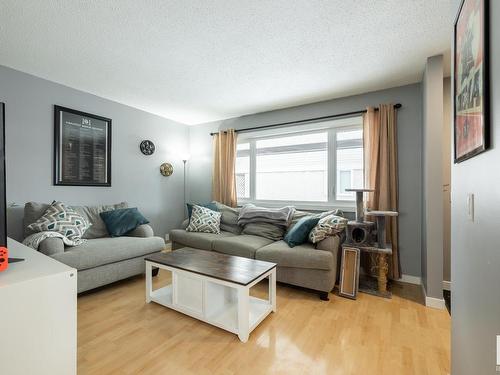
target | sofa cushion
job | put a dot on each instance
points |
(197, 240)
(244, 245)
(32, 212)
(92, 213)
(301, 256)
(101, 251)
(266, 230)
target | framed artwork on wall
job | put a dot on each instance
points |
(82, 148)
(471, 96)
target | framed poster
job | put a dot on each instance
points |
(82, 148)
(471, 96)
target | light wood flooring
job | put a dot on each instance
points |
(118, 333)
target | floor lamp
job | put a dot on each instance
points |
(185, 159)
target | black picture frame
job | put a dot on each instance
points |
(62, 179)
(485, 89)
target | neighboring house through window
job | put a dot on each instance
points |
(307, 166)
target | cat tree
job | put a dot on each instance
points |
(370, 237)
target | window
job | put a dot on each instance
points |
(300, 166)
(293, 168)
(349, 145)
(243, 170)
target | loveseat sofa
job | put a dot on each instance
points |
(306, 265)
(101, 259)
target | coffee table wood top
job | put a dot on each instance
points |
(229, 268)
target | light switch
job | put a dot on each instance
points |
(470, 206)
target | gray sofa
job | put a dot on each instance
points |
(304, 265)
(101, 259)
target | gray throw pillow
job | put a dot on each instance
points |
(265, 230)
(229, 219)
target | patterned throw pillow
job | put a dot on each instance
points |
(204, 220)
(327, 226)
(61, 219)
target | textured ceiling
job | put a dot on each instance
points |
(202, 60)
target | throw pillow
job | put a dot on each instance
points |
(123, 220)
(266, 230)
(229, 219)
(327, 226)
(210, 205)
(204, 220)
(300, 214)
(61, 219)
(300, 231)
(92, 214)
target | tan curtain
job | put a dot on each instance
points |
(381, 171)
(223, 176)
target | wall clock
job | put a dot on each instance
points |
(147, 147)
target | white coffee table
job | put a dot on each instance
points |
(214, 288)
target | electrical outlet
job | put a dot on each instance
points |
(470, 206)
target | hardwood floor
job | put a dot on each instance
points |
(118, 333)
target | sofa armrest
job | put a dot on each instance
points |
(331, 244)
(51, 246)
(143, 230)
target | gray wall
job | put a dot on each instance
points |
(410, 147)
(432, 233)
(475, 258)
(135, 177)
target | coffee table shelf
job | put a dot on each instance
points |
(163, 295)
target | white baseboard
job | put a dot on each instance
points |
(418, 281)
(436, 303)
(411, 279)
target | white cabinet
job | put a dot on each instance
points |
(37, 315)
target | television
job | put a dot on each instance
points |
(3, 200)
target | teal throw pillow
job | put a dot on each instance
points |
(300, 231)
(210, 205)
(123, 220)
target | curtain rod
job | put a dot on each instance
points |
(298, 122)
